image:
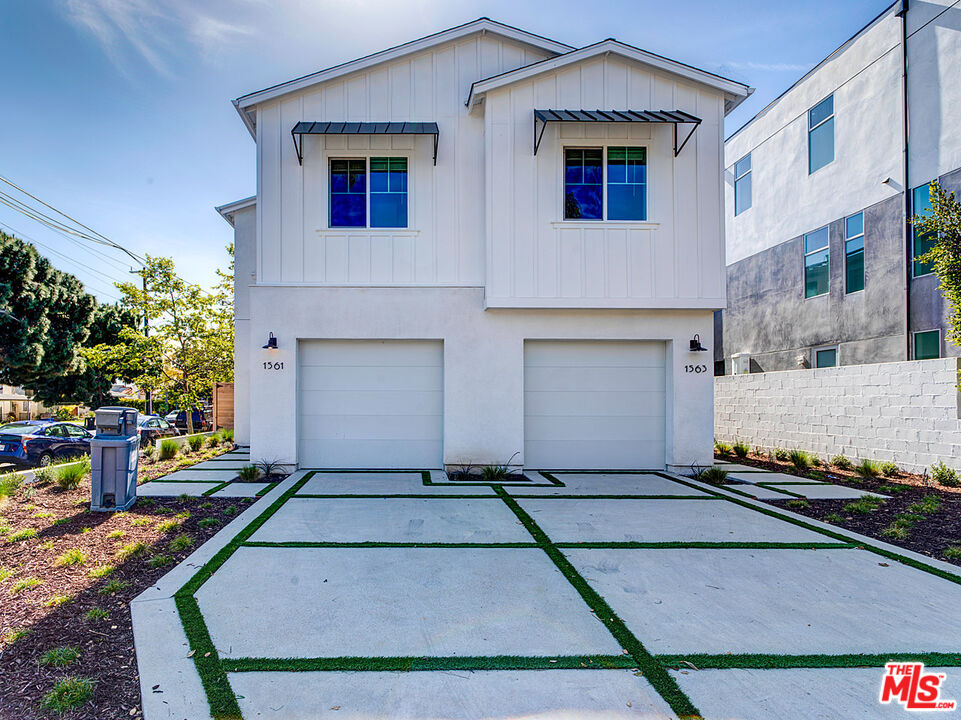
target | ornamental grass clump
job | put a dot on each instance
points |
(722, 448)
(741, 449)
(249, 473)
(800, 460)
(195, 442)
(712, 475)
(868, 469)
(168, 449)
(69, 477)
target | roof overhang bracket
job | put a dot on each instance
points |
(538, 135)
(298, 145)
(677, 150)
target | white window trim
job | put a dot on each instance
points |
(914, 335)
(864, 251)
(366, 156)
(804, 266)
(741, 177)
(603, 146)
(815, 127)
(822, 348)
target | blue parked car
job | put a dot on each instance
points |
(32, 443)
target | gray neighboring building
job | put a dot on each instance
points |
(821, 261)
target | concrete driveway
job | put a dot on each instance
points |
(574, 595)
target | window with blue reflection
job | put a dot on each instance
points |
(821, 134)
(388, 192)
(816, 263)
(923, 242)
(626, 183)
(742, 184)
(348, 193)
(854, 253)
(583, 184)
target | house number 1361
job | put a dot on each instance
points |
(273, 365)
(695, 369)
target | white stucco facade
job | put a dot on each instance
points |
(487, 262)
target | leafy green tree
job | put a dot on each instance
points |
(45, 317)
(944, 224)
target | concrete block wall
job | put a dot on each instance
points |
(905, 412)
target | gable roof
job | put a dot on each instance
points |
(228, 211)
(735, 91)
(245, 102)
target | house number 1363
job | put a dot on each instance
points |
(273, 365)
(695, 369)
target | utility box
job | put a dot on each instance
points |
(114, 455)
(741, 364)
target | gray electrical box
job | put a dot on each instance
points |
(114, 454)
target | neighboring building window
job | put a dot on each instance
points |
(927, 345)
(816, 259)
(854, 253)
(626, 183)
(387, 192)
(821, 134)
(742, 184)
(923, 242)
(826, 357)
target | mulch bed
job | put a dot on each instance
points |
(929, 536)
(151, 469)
(106, 645)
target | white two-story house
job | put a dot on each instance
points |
(479, 247)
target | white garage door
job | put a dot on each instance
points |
(594, 405)
(371, 404)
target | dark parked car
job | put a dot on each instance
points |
(152, 428)
(201, 422)
(32, 443)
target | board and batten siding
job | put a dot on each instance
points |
(537, 259)
(444, 243)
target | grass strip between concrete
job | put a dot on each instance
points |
(770, 662)
(653, 671)
(217, 488)
(411, 664)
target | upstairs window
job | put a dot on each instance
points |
(383, 199)
(742, 184)
(816, 263)
(923, 242)
(821, 134)
(854, 253)
(625, 182)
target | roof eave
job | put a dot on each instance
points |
(227, 211)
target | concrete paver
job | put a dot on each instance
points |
(173, 489)
(827, 492)
(610, 484)
(204, 475)
(240, 489)
(383, 483)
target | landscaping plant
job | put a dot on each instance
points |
(712, 475)
(195, 442)
(741, 449)
(248, 473)
(943, 475)
(780, 454)
(9, 484)
(889, 469)
(841, 462)
(800, 460)
(868, 469)
(270, 468)
(168, 449)
(67, 693)
(722, 448)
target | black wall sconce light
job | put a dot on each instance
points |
(271, 342)
(696, 344)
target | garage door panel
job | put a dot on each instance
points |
(373, 378)
(594, 404)
(370, 404)
(624, 403)
(393, 402)
(598, 378)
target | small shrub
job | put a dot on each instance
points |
(800, 460)
(228, 435)
(168, 449)
(15, 634)
(712, 475)
(69, 477)
(74, 556)
(249, 473)
(59, 657)
(68, 693)
(953, 552)
(114, 586)
(209, 522)
(928, 505)
(158, 561)
(5, 573)
(493, 473)
(25, 584)
(43, 475)
(166, 526)
(889, 469)
(841, 462)
(741, 449)
(195, 442)
(230, 510)
(132, 550)
(272, 467)
(893, 489)
(780, 454)
(798, 503)
(864, 505)
(722, 448)
(96, 613)
(944, 475)
(115, 534)
(834, 518)
(181, 542)
(141, 521)
(815, 460)
(868, 469)
(58, 600)
(24, 534)
(9, 484)
(213, 440)
(896, 532)
(101, 571)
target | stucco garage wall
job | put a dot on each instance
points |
(483, 361)
(905, 412)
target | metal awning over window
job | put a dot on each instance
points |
(674, 117)
(361, 128)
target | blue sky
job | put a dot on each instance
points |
(118, 111)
